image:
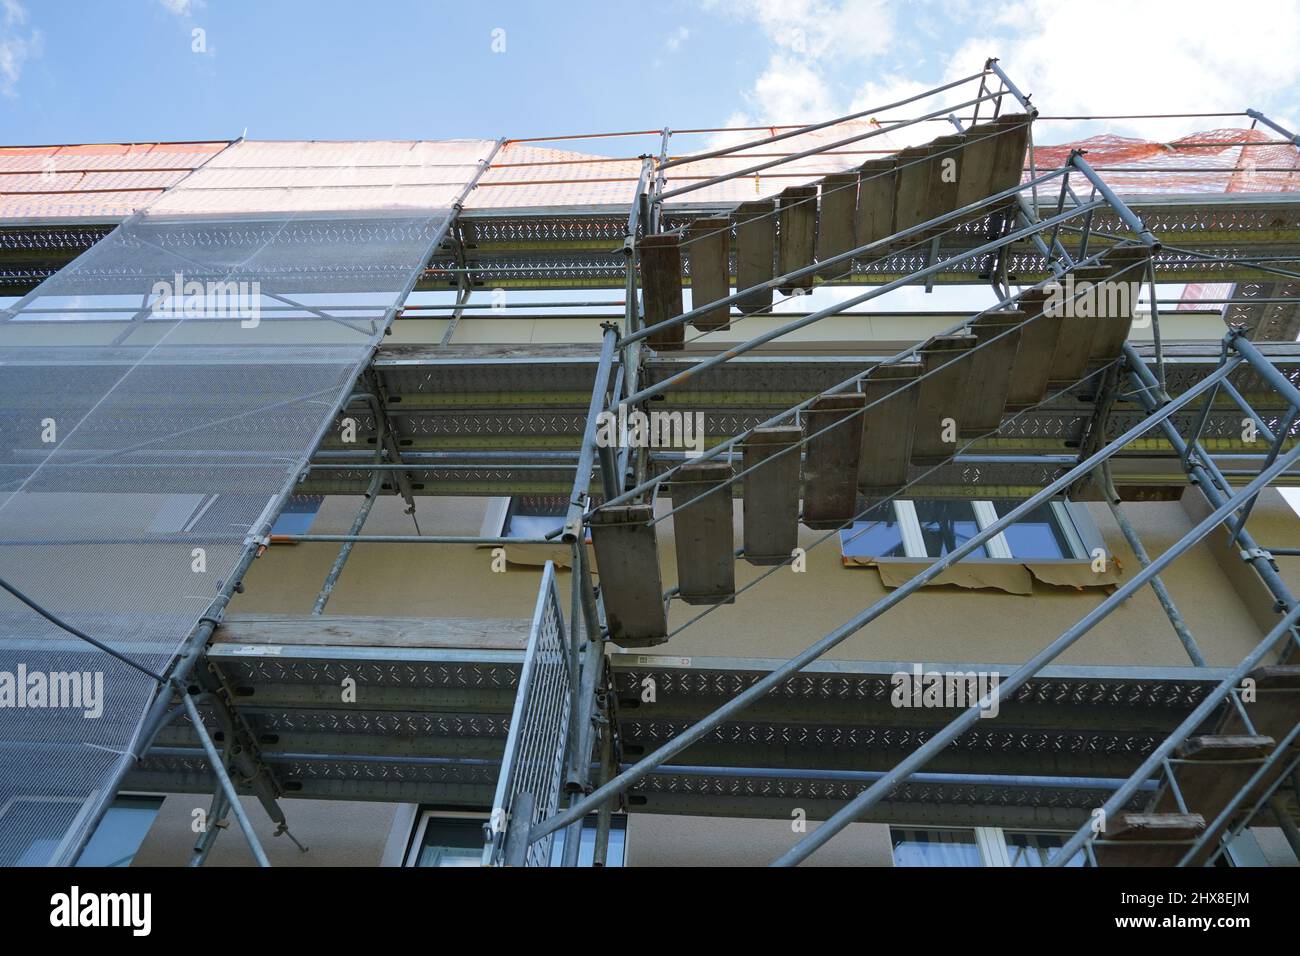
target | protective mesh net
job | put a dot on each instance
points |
(1220, 160)
(159, 396)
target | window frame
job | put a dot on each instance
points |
(1075, 522)
(418, 826)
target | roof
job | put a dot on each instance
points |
(93, 182)
(107, 182)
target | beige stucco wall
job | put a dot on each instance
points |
(777, 617)
(335, 834)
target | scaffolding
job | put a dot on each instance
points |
(1044, 238)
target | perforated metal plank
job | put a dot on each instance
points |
(755, 253)
(709, 251)
(661, 286)
(704, 533)
(942, 397)
(888, 425)
(627, 559)
(771, 495)
(830, 484)
(1146, 702)
(798, 234)
(922, 801)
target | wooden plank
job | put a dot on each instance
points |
(798, 234)
(874, 218)
(1276, 707)
(1074, 300)
(944, 168)
(942, 397)
(978, 158)
(771, 495)
(1210, 771)
(709, 251)
(1009, 163)
(755, 253)
(1127, 267)
(1034, 357)
(831, 469)
(661, 288)
(1155, 839)
(631, 586)
(887, 427)
(915, 174)
(362, 631)
(997, 337)
(704, 534)
(835, 223)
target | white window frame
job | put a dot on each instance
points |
(985, 513)
(996, 852)
(991, 841)
(414, 822)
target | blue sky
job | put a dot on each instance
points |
(127, 70)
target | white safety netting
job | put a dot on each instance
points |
(159, 397)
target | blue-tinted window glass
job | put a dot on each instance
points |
(1037, 535)
(876, 536)
(935, 847)
(1030, 849)
(451, 842)
(587, 849)
(946, 526)
(121, 831)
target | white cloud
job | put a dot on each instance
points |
(182, 8)
(17, 46)
(1121, 57)
(675, 39)
(807, 36)
(1109, 57)
(14, 14)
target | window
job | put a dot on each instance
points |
(1046, 532)
(614, 852)
(114, 843)
(444, 839)
(935, 847)
(978, 846)
(449, 841)
(878, 535)
(121, 831)
(932, 528)
(525, 516)
(1028, 848)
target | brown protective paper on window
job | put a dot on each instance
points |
(1074, 574)
(1008, 576)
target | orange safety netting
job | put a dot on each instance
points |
(1220, 160)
